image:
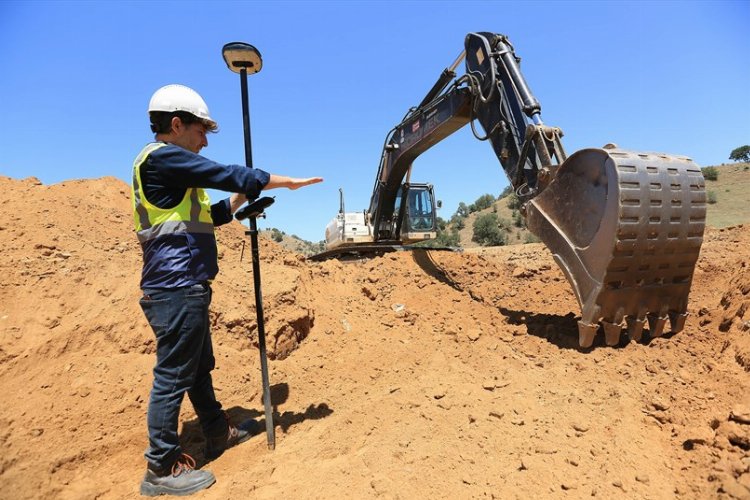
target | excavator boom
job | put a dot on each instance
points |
(625, 227)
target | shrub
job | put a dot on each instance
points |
(443, 239)
(513, 202)
(488, 232)
(710, 173)
(530, 238)
(712, 197)
(504, 224)
(458, 222)
(484, 201)
(448, 239)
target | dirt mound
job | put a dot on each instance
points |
(424, 374)
(736, 315)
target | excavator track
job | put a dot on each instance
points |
(626, 228)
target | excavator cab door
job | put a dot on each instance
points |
(419, 218)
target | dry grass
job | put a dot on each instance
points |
(732, 190)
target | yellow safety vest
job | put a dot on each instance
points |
(191, 215)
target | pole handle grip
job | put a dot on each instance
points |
(255, 208)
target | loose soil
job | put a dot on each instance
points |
(412, 375)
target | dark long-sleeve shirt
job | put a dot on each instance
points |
(178, 260)
(170, 170)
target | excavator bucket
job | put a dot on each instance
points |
(626, 229)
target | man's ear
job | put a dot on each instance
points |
(177, 124)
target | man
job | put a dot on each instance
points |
(175, 224)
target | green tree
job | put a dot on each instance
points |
(487, 231)
(484, 201)
(463, 210)
(458, 222)
(741, 153)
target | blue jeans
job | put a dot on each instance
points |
(184, 360)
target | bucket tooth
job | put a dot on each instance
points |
(619, 316)
(677, 320)
(586, 333)
(656, 325)
(635, 328)
(612, 333)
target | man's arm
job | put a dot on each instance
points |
(176, 167)
(275, 181)
(236, 201)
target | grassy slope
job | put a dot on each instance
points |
(515, 236)
(732, 190)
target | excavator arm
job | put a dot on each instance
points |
(493, 92)
(625, 227)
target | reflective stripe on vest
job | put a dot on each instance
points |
(191, 215)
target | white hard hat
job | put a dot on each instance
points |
(176, 97)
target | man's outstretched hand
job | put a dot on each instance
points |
(298, 183)
(281, 181)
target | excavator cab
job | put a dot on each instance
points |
(418, 218)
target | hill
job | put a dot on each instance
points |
(730, 191)
(293, 243)
(419, 374)
(516, 235)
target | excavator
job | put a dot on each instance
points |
(625, 227)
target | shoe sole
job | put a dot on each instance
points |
(154, 490)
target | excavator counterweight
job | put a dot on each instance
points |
(625, 227)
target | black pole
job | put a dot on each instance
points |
(246, 118)
(261, 334)
(256, 273)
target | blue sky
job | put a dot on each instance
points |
(76, 77)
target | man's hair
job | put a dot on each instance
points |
(161, 121)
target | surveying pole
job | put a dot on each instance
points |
(245, 59)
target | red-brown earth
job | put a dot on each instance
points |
(412, 375)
